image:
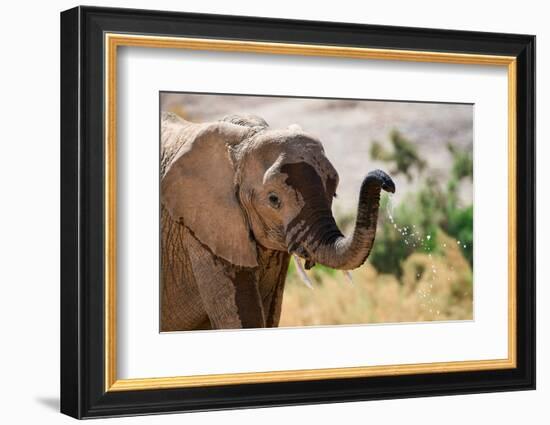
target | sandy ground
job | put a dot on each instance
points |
(347, 129)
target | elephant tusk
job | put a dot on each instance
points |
(301, 272)
(348, 277)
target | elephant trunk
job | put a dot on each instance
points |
(325, 244)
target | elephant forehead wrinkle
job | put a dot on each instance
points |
(272, 175)
(295, 229)
(301, 234)
(313, 242)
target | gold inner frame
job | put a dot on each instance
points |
(113, 41)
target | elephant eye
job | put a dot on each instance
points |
(274, 200)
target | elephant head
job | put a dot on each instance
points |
(237, 184)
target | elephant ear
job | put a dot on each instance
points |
(198, 189)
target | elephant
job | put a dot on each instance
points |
(238, 198)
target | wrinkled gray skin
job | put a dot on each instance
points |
(237, 199)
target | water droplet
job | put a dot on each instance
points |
(429, 237)
(458, 242)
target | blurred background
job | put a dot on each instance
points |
(420, 268)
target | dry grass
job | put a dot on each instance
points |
(431, 288)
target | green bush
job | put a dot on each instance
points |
(408, 228)
(415, 228)
(404, 155)
(414, 224)
(460, 226)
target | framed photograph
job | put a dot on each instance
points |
(261, 212)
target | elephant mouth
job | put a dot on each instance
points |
(302, 252)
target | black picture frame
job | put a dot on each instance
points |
(83, 392)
